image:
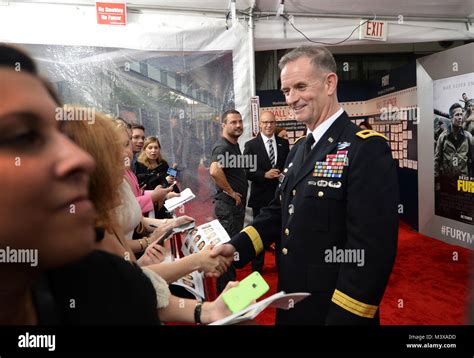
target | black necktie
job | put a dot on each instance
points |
(272, 152)
(307, 146)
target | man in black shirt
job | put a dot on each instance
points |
(228, 171)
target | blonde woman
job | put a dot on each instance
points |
(152, 171)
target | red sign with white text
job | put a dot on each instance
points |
(111, 13)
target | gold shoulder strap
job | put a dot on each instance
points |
(367, 133)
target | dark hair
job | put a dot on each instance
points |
(226, 113)
(366, 124)
(16, 59)
(320, 58)
(452, 108)
(138, 126)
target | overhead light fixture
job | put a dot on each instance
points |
(280, 9)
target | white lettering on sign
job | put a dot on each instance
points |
(114, 9)
(109, 13)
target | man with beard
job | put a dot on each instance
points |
(231, 182)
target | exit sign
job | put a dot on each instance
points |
(373, 30)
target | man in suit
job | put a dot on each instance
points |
(271, 152)
(334, 217)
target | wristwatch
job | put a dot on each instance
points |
(197, 313)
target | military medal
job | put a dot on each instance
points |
(333, 166)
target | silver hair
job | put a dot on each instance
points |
(320, 57)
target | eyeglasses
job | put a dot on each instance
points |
(268, 122)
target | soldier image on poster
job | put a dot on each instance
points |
(453, 168)
(468, 120)
(453, 155)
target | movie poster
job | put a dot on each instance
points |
(453, 147)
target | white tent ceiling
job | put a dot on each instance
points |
(448, 9)
(455, 9)
(451, 9)
(325, 22)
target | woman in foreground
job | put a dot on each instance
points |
(45, 176)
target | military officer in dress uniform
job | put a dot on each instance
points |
(335, 210)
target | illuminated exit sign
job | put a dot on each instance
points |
(373, 30)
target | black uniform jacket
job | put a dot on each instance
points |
(262, 190)
(335, 223)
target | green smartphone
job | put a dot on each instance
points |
(250, 288)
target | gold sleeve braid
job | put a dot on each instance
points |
(356, 307)
(254, 236)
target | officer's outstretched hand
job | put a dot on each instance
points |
(213, 266)
(226, 250)
(226, 253)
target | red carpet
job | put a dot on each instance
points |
(434, 288)
(427, 286)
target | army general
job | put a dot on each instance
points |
(334, 216)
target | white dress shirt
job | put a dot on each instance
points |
(319, 131)
(266, 141)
